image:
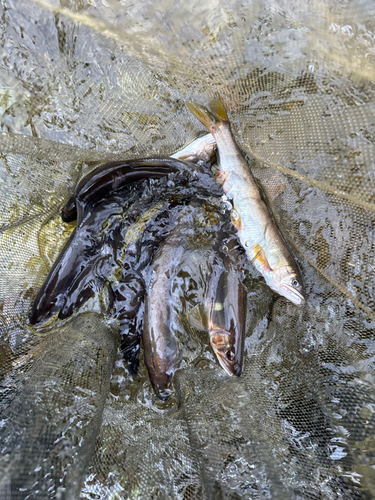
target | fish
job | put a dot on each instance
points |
(87, 284)
(161, 352)
(88, 240)
(226, 303)
(114, 176)
(256, 229)
(224, 308)
(128, 302)
(129, 308)
(202, 148)
(89, 236)
(129, 294)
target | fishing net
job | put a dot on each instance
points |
(84, 82)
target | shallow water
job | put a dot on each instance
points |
(89, 81)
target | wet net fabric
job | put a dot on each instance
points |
(83, 82)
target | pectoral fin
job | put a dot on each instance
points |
(261, 258)
(197, 317)
(236, 219)
(220, 177)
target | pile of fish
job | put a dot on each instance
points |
(138, 270)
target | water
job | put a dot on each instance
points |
(90, 81)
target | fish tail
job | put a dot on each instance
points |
(209, 117)
(218, 111)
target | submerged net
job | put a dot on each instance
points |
(90, 81)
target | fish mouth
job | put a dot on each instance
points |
(225, 352)
(163, 394)
(41, 319)
(162, 384)
(295, 296)
(230, 370)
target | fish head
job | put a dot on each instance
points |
(226, 351)
(287, 282)
(162, 385)
(42, 314)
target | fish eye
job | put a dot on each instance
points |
(230, 355)
(294, 282)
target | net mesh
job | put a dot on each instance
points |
(89, 81)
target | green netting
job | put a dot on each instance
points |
(83, 82)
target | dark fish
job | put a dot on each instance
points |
(85, 243)
(128, 295)
(130, 327)
(87, 284)
(51, 295)
(128, 300)
(159, 344)
(113, 176)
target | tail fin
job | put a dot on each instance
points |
(215, 115)
(218, 110)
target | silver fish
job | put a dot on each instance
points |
(257, 231)
(226, 311)
(202, 148)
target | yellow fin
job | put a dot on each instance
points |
(218, 111)
(260, 256)
(203, 115)
(236, 221)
